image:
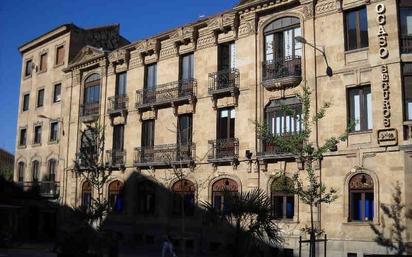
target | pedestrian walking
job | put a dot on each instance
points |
(167, 248)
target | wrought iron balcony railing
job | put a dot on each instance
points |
(282, 72)
(224, 81)
(406, 44)
(165, 155)
(270, 151)
(223, 149)
(116, 158)
(166, 94)
(117, 103)
(49, 189)
(89, 109)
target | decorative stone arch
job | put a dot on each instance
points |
(18, 162)
(111, 180)
(269, 185)
(89, 74)
(80, 191)
(356, 171)
(175, 180)
(223, 176)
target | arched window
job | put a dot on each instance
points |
(116, 200)
(86, 194)
(361, 198)
(283, 201)
(221, 187)
(183, 197)
(91, 98)
(52, 170)
(35, 171)
(146, 197)
(20, 169)
(282, 53)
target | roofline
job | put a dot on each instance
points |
(56, 31)
(165, 33)
(4, 150)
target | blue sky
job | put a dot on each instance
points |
(22, 20)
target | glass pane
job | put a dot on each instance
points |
(408, 96)
(278, 207)
(356, 206)
(356, 112)
(363, 25)
(351, 31)
(288, 43)
(298, 46)
(369, 207)
(369, 108)
(121, 84)
(269, 47)
(290, 207)
(232, 47)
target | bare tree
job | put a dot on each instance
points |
(90, 165)
(395, 212)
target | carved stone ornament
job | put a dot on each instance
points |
(87, 54)
(361, 181)
(182, 36)
(118, 56)
(308, 11)
(225, 184)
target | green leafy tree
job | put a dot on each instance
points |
(307, 186)
(395, 241)
(250, 215)
(7, 173)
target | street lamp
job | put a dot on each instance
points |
(302, 40)
(48, 118)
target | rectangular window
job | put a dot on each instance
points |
(121, 83)
(57, 93)
(59, 55)
(184, 127)
(92, 94)
(226, 56)
(226, 123)
(37, 135)
(28, 68)
(361, 206)
(23, 137)
(356, 29)
(284, 121)
(187, 67)
(148, 129)
(405, 20)
(118, 137)
(54, 131)
(43, 62)
(40, 98)
(360, 108)
(150, 78)
(26, 101)
(407, 90)
(283, 206)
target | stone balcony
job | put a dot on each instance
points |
(167, 95)
(282, 72)
(169, 155)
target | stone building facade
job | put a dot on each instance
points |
(189, 99)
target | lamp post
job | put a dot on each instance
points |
(302, 40)
(48, 118)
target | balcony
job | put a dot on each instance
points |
(116, 158)
(165, 156)
(282, 72)
(271, 153)
(166, 95)
(224, 82)
(117, 104)
(48, 189)
(406, 44)
(223, 150)
(89, 112)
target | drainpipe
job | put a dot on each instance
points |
(256, 105)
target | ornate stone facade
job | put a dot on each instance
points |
(364, 159)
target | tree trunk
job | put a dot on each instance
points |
(312, 242)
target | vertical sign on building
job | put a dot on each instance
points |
(387, 136)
